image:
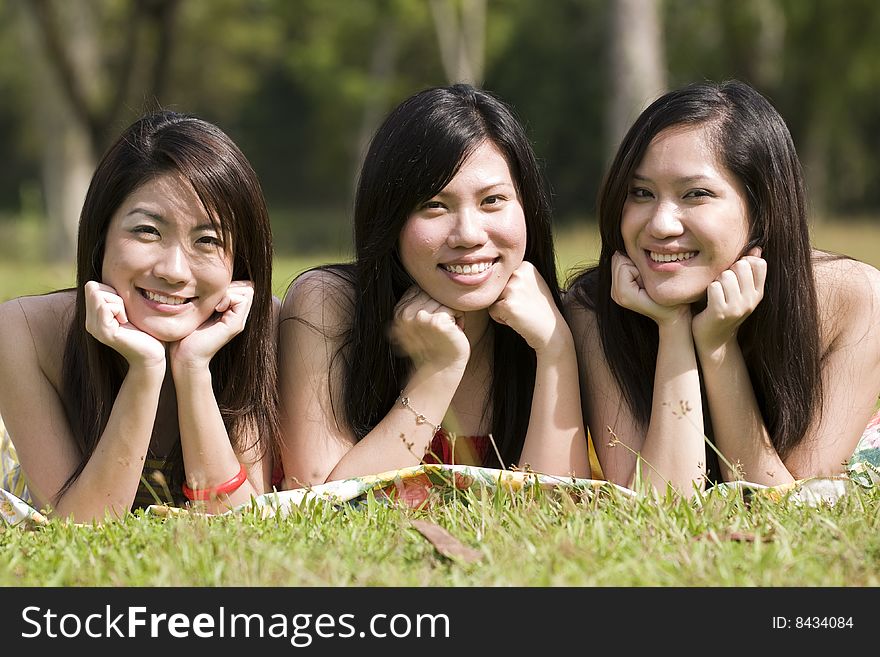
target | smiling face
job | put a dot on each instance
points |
(165, 259)
(685, 219)
(462, 246)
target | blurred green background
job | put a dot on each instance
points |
(302, 84)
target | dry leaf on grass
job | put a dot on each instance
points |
(739, 537)
(445, 543)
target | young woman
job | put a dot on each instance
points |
(710, 315)
(162, 358)
(448, 322)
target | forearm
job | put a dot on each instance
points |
(208, 456)
(400, 440)
(674, 448)
(110, 479)
(738, 426)
(556, 442)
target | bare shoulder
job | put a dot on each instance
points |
(37, 325)
(841, 282)
(44, 316)
(581, 320)
(322, 298)
(849, 297)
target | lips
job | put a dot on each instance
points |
(672, 257)
(471, 268)
(169, 300)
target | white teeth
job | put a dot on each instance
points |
(477, 268)
(671, 257)
(161, 298)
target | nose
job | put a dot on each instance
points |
(467, 230)
(172, 265)
(665, 221)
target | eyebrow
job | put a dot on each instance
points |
(683, 179)
(162, 220)
(485, 188)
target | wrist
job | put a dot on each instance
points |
(560, 343)
(213, 492)
(711, 353)
(679, 325)
(190, 369)
(675, 315)
(153, 370)
(451, 372)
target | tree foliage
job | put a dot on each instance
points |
(302, 84)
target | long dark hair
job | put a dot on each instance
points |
(780, 339)
(243, 371)
(415, 153)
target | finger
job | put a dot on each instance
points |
(96, 287)
(404, 308)
(626, 277)
(498, 318)
(436, 319)
(421, 301)
(455, 314)
(730, 285)
(111, 315)
(621, 258)
(120, 314)
(715, 296)
(103, 299)
(498, 311)
(743, 271)
(759, 272)
(224, 304)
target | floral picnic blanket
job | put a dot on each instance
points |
(419, 486)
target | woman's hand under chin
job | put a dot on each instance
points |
(526, 305)
(107, 322)
(628, 292)
(199, 347)
(730, 299)
(428, 332)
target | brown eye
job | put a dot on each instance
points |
(145, 229)
(210, 240)
(698, 193)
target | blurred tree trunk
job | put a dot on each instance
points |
(461, 35)
(382, 70)
(67, 149)
(637, 63)
(768, 56)
(80, 102)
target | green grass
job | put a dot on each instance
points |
(523, 539)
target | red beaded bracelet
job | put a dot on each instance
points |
(225, 488)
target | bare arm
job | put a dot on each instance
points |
(738, 425)
(34, 414)
(208, 455)
(849, 297)
(672, 446)
(317, 443)
(849, 307)
(556, 441)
